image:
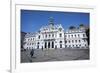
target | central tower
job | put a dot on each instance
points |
(51, 21)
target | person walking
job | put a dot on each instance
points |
(32, 53)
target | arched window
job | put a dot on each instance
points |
(38, 43)
(79, 41)
(78, 35)
(60, 41)
(60, 35)
(76, 41)
(69, 41)
(65, 41)
(75, 35)
(49, 35)
(46, 35)
(72, 35)
(39, 37)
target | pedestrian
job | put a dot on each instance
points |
(32, 53)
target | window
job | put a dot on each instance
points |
(38, 43)
(72, 41)
(60, 41)
(76, 41)
(68, 35)
(60, 35)
(33, 39)
(69, 41)
(83, 35)
(79, 41)
(60, 45)
(52, 35)
(46, 35)
(78, 35)
(80, 45)
(65, 35)
(65, 41)
(72, 35)
(39, 36)
(49, 35)
(75, 35)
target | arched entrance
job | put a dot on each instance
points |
(52, 44)
(45, 45)
(48, 44)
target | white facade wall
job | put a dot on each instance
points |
(54, 37)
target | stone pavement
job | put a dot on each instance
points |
(55, 55)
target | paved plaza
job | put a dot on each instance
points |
(54, 55)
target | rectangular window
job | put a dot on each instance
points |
(72, 35)
(72, 41)
(76, 41)
(39, 37)
(52, 35)
(69, 36)
(60, 45)
(78, 35)
(79, 41)
(83, 35)
(46, 35)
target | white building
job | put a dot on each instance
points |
(55, 37)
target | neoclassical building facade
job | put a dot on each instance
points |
(56, 37)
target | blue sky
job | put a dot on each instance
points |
(32, 20)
